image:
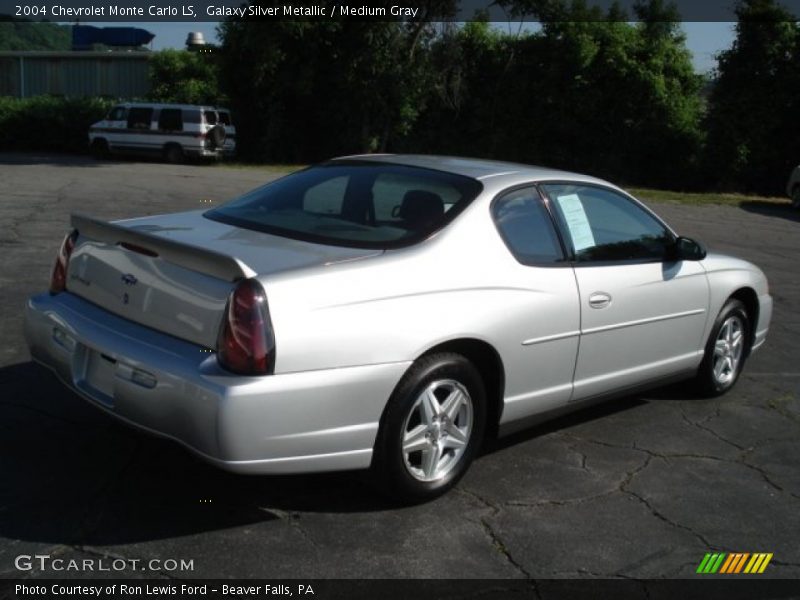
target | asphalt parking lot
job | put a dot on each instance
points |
(642, 487)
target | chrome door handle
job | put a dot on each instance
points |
(599, 300)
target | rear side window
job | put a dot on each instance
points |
(526, 227)
(353, 203)
(224, 117)
(140, 118)
(192, 115)
(170, 119)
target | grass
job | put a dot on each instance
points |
(232, 164)
(650, 195)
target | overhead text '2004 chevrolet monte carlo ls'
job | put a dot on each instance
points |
(388, 312)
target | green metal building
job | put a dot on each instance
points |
(116, 74)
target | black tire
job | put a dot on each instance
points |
(707, 381)
(796, 197)
(215, 137)
(173, 153)
(392, 470)
(100, 149)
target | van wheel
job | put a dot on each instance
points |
(726, 350)
(431, 429)
(173, 153)
(100, 149)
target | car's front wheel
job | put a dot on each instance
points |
(432, 428)
(726, 350)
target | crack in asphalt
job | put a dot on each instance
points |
(494, 537)
(653, 510)
(779, 405)
(91, 551)
(744, 451)
(567, 502)
(700, 425)
(293, 520)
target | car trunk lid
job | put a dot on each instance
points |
(174, 273)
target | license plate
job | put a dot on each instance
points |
(100, 373)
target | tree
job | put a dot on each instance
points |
(588, 91)
(311, 89)
(751, 144)
(18, 34)
(185, 77)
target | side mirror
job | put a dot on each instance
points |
(686, 249)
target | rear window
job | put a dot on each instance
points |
(360, 204)
(224, 117)
(210, 117)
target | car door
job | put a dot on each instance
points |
(642, 314)
(543, 336)
(116, 123)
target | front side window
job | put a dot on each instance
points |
(353, 203)
(603, 225)
(118, 113)
(526, 227)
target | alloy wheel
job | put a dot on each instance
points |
(437, 430)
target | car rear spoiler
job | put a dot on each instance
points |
(221, 266)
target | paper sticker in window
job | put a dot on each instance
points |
(577, 223)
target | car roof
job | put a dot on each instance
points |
(169, 105)
(478, 168)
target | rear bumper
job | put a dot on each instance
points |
(324, 420)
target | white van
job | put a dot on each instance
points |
(172, 131)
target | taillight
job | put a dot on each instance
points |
(58, 280)
(246, 342)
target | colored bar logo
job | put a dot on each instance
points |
(730, 563)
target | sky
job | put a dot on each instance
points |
(704, 40)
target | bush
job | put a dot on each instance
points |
(48, 123)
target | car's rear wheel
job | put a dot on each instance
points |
(726, 350)
(432, 428)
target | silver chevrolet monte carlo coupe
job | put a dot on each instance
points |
(388, 312)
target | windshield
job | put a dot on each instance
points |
(361, 204)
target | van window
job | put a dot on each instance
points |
(224, 117)
(118, 113)
(191, 115)
(140, 118)
(210, 117)
(170, 119)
